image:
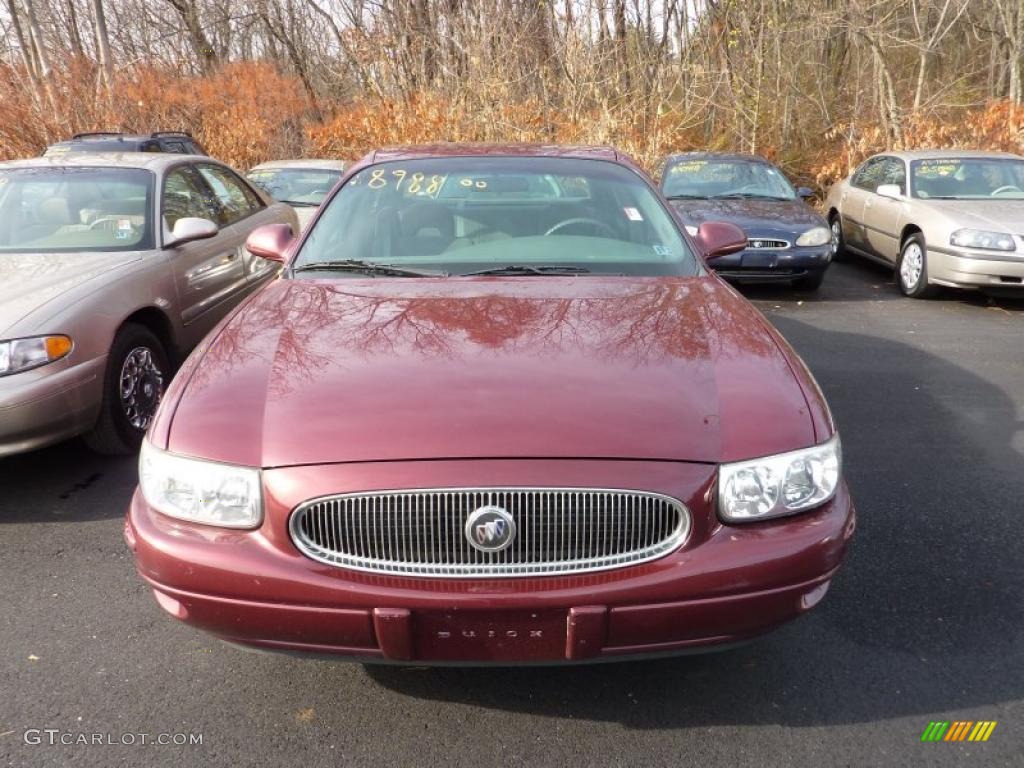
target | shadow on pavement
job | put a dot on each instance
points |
(925, 616)
(64, 483)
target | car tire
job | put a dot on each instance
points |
(137, 372)
(912, 269)
(811, 281)
(835, 223)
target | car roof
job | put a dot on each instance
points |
(938, 154)
(153, 161)
(423, 151)
(319, 165)
(701, 155)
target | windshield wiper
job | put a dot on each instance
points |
(687, 197)
(367, 267)
(303, 203)
(531, 269)
(746, 196)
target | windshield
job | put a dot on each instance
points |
(75, 209)
(954, 178)
(468, 214)
(295, 185)
(706, 178)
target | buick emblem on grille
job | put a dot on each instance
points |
(490, 529)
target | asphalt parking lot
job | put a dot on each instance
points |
(925, 622)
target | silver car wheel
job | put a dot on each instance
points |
(911, 266)
(141, 387)
(837, 233)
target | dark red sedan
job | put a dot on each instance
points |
(497, 409)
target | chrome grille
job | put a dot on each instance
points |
(421, 532)
(767, 243)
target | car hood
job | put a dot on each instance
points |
(992, 214)
(752, 216)
(28, 281)
(314, 372)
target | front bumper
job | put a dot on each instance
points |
(770, 266)
(726, 583)
(964, 268)
(49, 404)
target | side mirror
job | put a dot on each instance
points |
(270, 242)
(804, 192)
(720, 238)
(889, 190)
(189, 228)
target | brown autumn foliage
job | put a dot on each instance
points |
(247, 112)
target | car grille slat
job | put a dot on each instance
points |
(767, 243)
(422, 532)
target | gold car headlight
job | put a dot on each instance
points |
(979, 238)
(207, 492)
(18, 355)
(779, 485)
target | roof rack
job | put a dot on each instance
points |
(97, 133)
(171, 133)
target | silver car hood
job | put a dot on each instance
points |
(28, 281)
(993, 214)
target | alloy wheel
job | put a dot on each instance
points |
(911, 266)
(141, 387)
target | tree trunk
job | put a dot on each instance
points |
(103, 44)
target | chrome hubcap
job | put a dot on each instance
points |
(911, 266)
(837, 234)
(142, 385)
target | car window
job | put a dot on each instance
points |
(304, 186)
(894, 172)
(236, 199)
(968, 178)
(173, 145)
(75, 209)
(870, 175)
(724, 177)
(185, 195)
(589, 214)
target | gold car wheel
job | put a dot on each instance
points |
(911, 266)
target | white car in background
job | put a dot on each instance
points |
(940, 217)
(302, 184)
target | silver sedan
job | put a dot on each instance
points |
(939, 217)
(112, 268)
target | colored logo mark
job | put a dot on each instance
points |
(959, 730)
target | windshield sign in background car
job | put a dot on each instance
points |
(112, 267)
(788, 240)
(495, 410)
(959, 222)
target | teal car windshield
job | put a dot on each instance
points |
(43, 210)
(468, 214)
(724, 178)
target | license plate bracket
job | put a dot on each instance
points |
(490, 635)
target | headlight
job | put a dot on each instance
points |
(23, 354)
(200, 491)
(815, 236)
(779, 485)
(979, 238)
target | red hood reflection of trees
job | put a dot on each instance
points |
(300, 327)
